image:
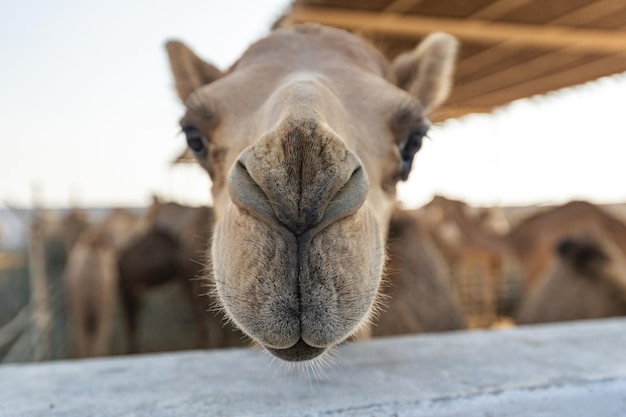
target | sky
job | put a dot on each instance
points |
(89, 115)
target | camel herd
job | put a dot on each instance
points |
(570, 258)
(305, 138)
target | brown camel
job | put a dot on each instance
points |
(91, 281)
(153, 259)
(531, 241)
(588, 281)
(72, 225)
(419, 295)
(305, 138)
(172, 248)
(476, 262)
(62, 229)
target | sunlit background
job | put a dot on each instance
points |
(88, 115)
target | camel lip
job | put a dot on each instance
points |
(299, 352)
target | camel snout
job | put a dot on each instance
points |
(303, 179)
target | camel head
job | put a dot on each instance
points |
(596, 254)
(305, 138)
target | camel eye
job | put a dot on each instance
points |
(195, 140)
(408, 149)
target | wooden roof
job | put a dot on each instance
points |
(510, 49)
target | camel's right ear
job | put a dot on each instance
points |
(426, 72)
(190, 72)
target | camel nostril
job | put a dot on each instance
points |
(349, 198)
(247, 194)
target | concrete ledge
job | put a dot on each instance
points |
(574, 369)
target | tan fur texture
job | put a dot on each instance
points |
(418, 296)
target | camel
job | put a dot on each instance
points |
(151, 260)
(587, 282)
(305, 138)
(417, 283)
(476, 265)
(63, 229)
(91, 281)
(530, 242)
(173, 247)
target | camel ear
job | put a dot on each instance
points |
(426, 72)
(190, 72)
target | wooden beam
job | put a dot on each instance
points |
(535, 68)
(562, 79)
(590, 12)
(485, 59)
(584, 40)
(498, 9)
(492, 55)
(453, 112)
(401, 6)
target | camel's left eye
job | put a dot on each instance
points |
(195, 140)
(408, 149)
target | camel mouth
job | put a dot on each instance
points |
(299, 352)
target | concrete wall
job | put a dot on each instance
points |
(574, 369)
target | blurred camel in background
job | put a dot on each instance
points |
(91, 281)
(529, 243)
(64, 229)
(588, 281)
(469, 240)
(173, 248)
(418, 296)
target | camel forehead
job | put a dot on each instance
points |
(304, 55)
(313, 47)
